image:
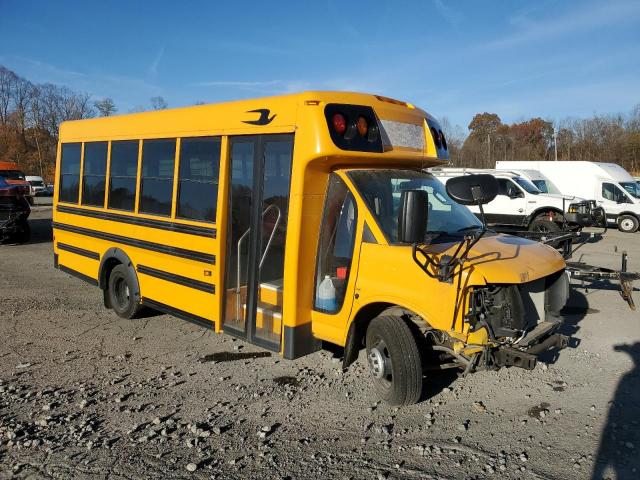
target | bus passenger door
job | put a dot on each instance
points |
(258, 205)
(334, 279)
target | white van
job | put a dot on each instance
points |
(520, 204)
(608, 184)
(37, 185)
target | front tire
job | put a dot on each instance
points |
(544, 226)
(394, 360)
(627, 224)
(122, 297)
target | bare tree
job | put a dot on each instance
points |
(158, 103)
(7, 83)
(105, 107)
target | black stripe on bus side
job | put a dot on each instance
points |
(155, 247)
(81, 276)
(189, 317)
(143, 222)
(179, 279)
(79, 251)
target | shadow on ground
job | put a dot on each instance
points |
(620, 439)
(41, 231)
(574, 311)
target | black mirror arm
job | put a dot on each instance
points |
(484, 223)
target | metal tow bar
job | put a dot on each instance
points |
(583, 271)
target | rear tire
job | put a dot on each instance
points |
(394, 360)
(544, 226)
(628, 224)
(124, 301)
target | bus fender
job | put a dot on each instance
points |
(110, 259)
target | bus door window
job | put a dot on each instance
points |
(240, 203)
(337, 238)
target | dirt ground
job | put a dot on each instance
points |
(85, 394)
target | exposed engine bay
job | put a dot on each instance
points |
(521, 319)
(509, 311)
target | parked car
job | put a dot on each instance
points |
(37, 185)
(612, 187)
(14, 211)
(521, 205)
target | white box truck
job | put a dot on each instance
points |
(608, 184)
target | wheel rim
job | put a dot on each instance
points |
(121, 290)
(626, 224)
(541, 228)
(380, 364)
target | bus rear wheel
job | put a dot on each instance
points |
(394, 360)
(121, 294)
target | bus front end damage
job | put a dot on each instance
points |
(521, 321)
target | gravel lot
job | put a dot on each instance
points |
(84, 394)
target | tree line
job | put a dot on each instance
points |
(30, 117)
(31, 114)
(601, 138)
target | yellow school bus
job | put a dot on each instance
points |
(280, 221)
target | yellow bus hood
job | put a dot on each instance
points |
(505, 259)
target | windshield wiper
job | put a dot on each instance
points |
(469, 228)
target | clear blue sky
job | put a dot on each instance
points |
(547, 58)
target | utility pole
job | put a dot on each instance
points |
(489, 148)
(555, 143)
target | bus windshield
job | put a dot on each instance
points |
(381, 190)
(633, 188)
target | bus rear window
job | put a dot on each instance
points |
(70, 173)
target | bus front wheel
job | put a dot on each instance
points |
(394, 360)
(121, 293)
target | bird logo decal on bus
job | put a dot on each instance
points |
(264, 117)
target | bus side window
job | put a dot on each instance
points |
(69, 187)
(93, 173)
(337, 238)
(123, 174)
(156, 185)
(198, 178)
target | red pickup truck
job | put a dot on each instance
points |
(11, 172)
(14, 211)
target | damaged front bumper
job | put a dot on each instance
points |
(525, 353)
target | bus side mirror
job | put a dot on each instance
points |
(413, 216)
(472, 189)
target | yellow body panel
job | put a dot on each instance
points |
(380, 272)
